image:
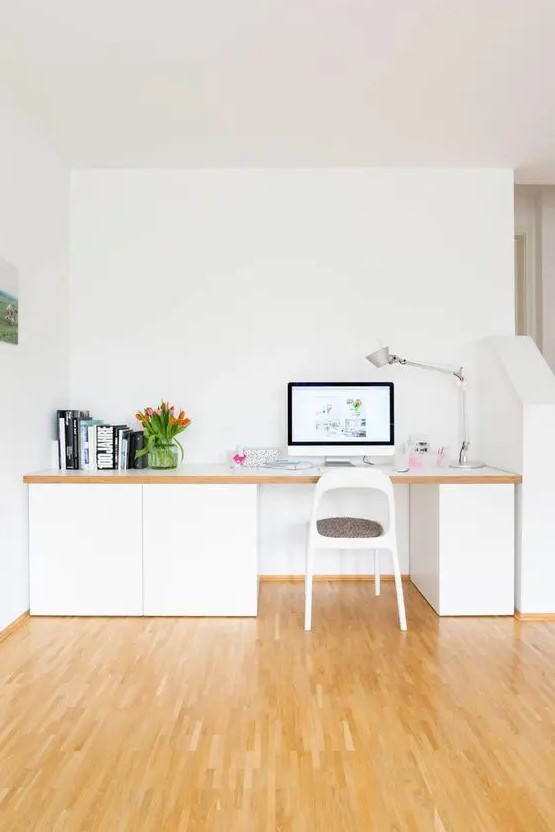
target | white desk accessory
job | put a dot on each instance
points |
(401, 460)
(289, 464)
(256, 457)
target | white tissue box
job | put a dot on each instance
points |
(257, 457)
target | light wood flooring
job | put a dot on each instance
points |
(222, 725)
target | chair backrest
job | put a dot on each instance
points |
(355, 478)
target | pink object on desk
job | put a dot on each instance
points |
(239, 459)
(415, 461)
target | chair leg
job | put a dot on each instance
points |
(308, 588)
(399, 589)
(377, 571)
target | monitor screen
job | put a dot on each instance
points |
(340, 414)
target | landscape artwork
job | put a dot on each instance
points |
(9, 302)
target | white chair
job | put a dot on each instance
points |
(353, 532)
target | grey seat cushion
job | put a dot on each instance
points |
(348, 527)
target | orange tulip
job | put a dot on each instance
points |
(167, 422)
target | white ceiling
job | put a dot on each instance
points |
(288, 82)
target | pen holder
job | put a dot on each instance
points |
(441, 457)
(416, 461)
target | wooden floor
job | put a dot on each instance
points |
(164, 725)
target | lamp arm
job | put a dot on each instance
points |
(382, 357)
(395, 359)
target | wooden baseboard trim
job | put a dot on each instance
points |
(15, 625)
(293, 579)
(534, 616)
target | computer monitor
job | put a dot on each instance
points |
(340, 419)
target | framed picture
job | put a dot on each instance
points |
(9, 302)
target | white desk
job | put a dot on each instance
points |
(185, 542)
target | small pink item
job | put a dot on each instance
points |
(415, 461)
(239, 459)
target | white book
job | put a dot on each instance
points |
(122, 441)
(62, 441)
(125, 452)
(105, 447)
(92, 448)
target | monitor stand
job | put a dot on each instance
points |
(338, 461)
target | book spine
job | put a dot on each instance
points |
(62, 460)
(125, 449)
(75, 432)
(83, 447)
(131, 455)
(91, 430)
(69, 438)
(104, 447)
(131, 451)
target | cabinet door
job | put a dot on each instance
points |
(85, 549)
(200, 549)
(477, 549)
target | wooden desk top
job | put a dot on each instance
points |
(224, 474)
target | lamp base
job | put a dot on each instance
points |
(469, 464)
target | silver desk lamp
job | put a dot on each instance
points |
(382, 358)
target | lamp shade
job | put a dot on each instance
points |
(380, 358)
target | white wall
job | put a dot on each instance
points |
(213, 288)
(517, 404)
(34, 238)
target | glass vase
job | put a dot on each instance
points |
(163, 455)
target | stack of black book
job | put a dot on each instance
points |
(88, 444)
